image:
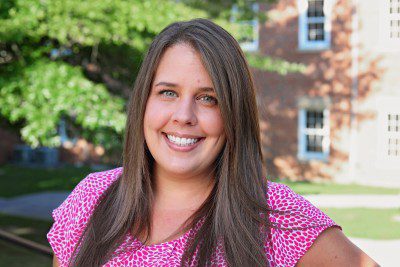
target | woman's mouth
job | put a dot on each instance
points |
(182, 143)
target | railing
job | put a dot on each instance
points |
(28, 244)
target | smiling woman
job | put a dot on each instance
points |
(183, 126)
(192, 191)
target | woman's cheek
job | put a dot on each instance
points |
(156, 114)
(212, 121)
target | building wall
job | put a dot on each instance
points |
(379, 68)
(328, 75)
(358, 75)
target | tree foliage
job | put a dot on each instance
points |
(77, 60)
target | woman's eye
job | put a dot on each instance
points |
(168, 93)
(209, 99)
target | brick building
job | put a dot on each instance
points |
(340, 118)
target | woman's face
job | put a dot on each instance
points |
(183, 127)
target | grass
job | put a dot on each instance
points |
(309, 188)
(379, 224)
(17, 180)
(35, 230)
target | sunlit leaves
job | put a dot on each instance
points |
(44, 91)
(273, 64)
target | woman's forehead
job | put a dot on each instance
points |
(179, 65)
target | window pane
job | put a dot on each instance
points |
(319, 122)
(310, 119)
(316, 32)
(315, 8)
(314, 143)
(315, 119)
(394, 6)
(395, 29)
(394, 147)
(393, 122)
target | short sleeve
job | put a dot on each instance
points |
(71, 217)
(296, 223)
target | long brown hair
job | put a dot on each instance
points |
(236, 212)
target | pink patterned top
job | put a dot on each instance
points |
(284, 248)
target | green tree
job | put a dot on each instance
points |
(77, 60)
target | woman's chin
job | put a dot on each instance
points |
(181, 170)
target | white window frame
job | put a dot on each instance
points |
(386, 105)
(249, 46)
(303, 154)
(385, 17)
(304, 43)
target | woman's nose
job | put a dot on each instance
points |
(184, 114)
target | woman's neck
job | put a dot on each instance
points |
(180, 192)
(176, 198)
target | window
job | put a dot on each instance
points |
(388, 133)
(390, 24)
(393, 122)
(393, 140)
(313, 134)
(314, 24)
(394, 13)
(394, 29)
(248, 39)
(65, 132)
(394, 147)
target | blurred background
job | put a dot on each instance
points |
(328, 91)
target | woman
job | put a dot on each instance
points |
(191, 190)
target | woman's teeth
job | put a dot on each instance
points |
(180, 141)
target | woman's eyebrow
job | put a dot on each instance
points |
(203, 89)
(206, 89)
(166, 84)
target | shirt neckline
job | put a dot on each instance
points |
(170, 243)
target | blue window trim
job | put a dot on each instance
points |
(250, 46)
(304, 43)
(303, 154)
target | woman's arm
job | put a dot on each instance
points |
(56, 263)
(333, 248)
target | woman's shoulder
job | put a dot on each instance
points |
(71, 217)
(98, 182)
(282, 198)
(88, 191)
(295, 224)
(291, 210)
